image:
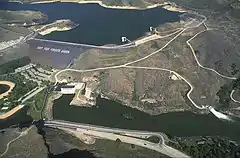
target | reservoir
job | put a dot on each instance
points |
(3, 88)
(98, 25)
(112, 114)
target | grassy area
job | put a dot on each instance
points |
(36, 104)
(225, 91)
(21, 17)
(118, 55)
(22, 86)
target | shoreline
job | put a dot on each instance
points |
(11, 86)
(11, 112)
(166, 5)
(55, 26)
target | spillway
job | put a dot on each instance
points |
(219, 115)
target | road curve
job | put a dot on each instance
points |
(199, 64)
(126, 65)
(125, 135)
(234, 100)
(171, 71)
(10, 142)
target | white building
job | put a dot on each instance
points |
(68, 90)
(4, 108)
(26, 67)
(71, 88)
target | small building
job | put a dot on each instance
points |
(66, 89)
(4, 108)
(26, 67)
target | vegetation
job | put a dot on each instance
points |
(22, 86)
(36, 104)
(205, 147)
(153, 139)
(225, 91)
(10, 66)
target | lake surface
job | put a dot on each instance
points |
(110, 113)
(98, 25)
(4, 88)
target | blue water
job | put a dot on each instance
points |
(98, 25)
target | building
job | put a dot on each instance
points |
(69, 88)
(4, 108)
(26, 67)
(66, 89)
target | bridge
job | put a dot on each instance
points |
(135, 137)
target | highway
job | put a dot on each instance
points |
(125, 135)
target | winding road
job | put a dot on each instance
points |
(231, 96)
(179, 31)
(15, 139)
(138, 138)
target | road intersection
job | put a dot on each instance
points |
(125, 135)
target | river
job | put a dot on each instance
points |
(98, 25)
(109, 113)
(19, 118)
(4, 88)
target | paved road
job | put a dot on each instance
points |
(231, 95)
(33, 94)
(126, 65)
(125, 135)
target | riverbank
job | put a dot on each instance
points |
(165, 5)
(11, 112)
(11, 86)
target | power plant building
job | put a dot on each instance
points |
(68, 89)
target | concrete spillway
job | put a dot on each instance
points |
(219, 115)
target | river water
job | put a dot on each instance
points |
(19, 118)
(3, 88)
(110, 113)
(98, 25)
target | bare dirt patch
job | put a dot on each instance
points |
(11, 86)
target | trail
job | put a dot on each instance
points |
(196, 59)
(175, 73)
(179, 31)
(10, 142)
(231, 96)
